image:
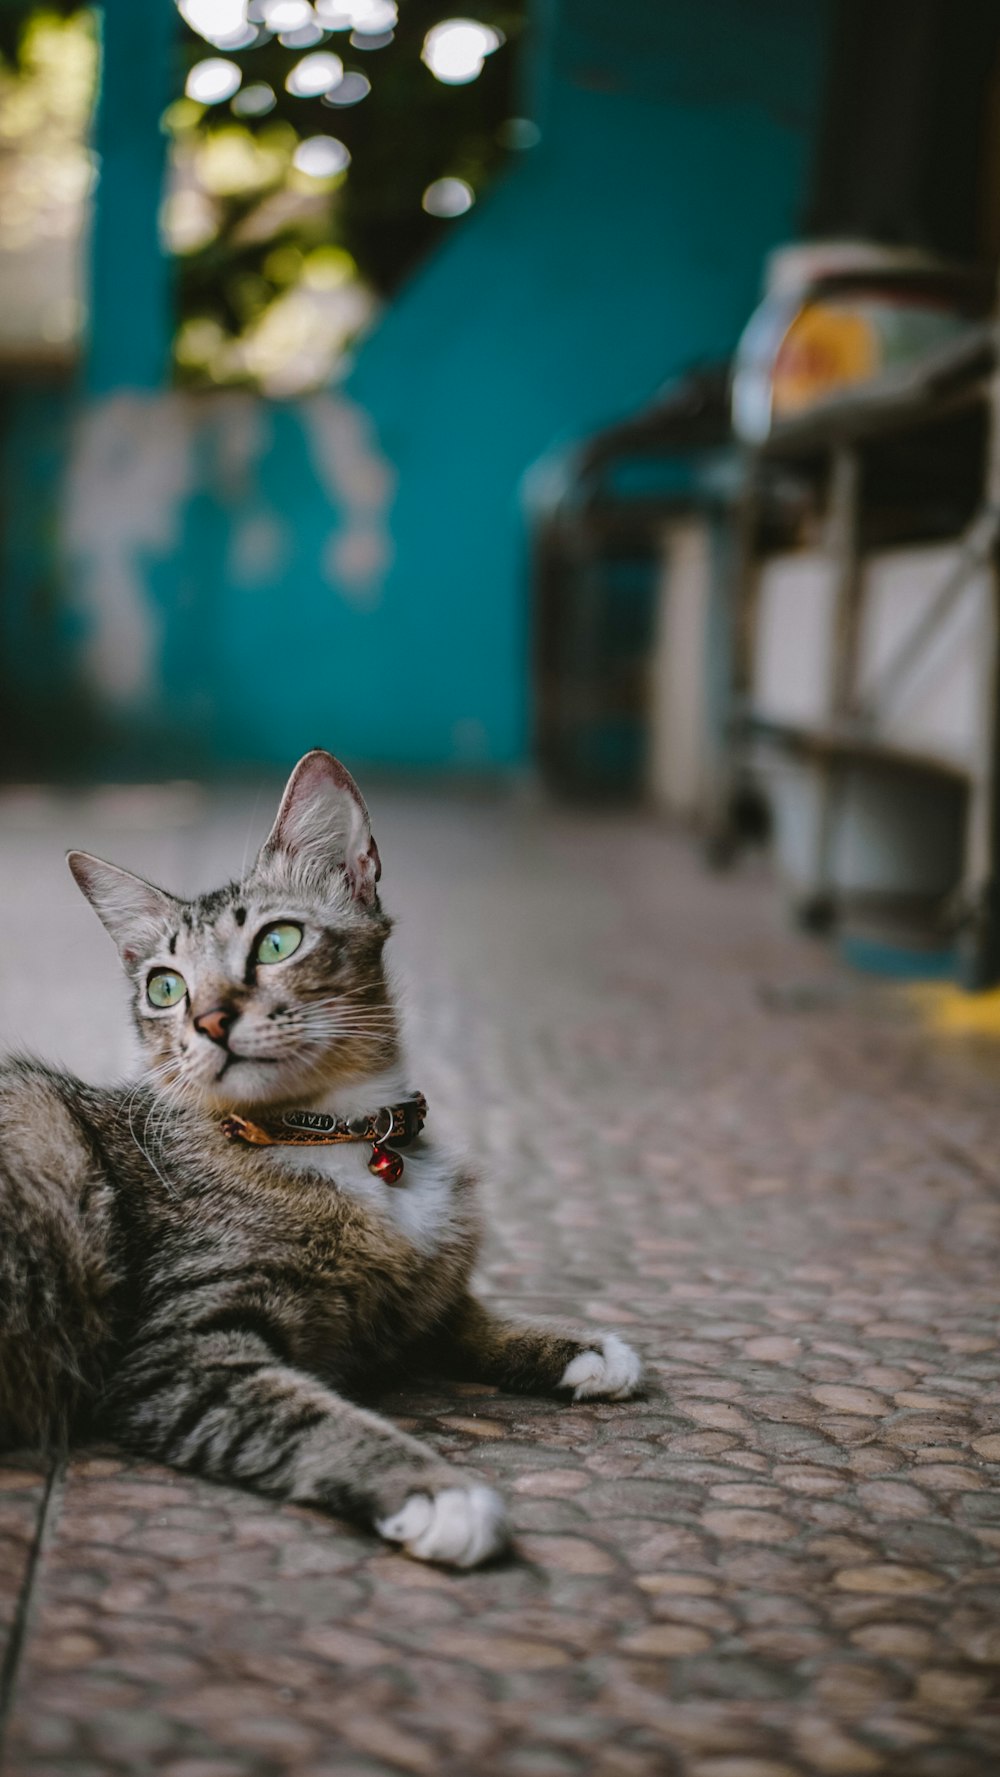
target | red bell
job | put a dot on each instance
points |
(386, 1164)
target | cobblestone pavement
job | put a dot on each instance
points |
(784, 1559)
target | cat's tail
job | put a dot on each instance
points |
(55, 1278)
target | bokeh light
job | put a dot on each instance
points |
(223, 23)
(255, 100)
(519, 133)
(371, 40)
(188, 220)
(448, 197)
(304, 37)
(286, 15)
(250, 203)
(314, 75)
(321, 157)
(369, 18)
(456, 49)
(349, 91)
(213, 80)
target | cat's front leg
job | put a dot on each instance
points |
(482, 1346)
(225, 1407)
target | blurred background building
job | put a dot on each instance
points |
(599, 386)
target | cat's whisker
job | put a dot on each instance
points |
(143, 1149)
(320, 1032)
(345, 1015)
(349, 1015)
(330, 1026)
(340, 1035)
(350, 994)
(151, 1079)
(154, 1127)
(338, 1015)
(146, 1079)
(333, 1010)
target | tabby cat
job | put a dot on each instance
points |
(206, 1265)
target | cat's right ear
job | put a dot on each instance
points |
(134, 912)
(323, 825)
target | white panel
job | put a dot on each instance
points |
(793, 639)
(937, 707)
(891, 835)
(794, 792)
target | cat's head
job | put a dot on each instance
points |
(272, 989)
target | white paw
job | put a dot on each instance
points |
(612, 1373)
(460, 1526)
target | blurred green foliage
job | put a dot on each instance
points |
(278, 270)
(244, 288)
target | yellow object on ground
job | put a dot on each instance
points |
(950, 1011)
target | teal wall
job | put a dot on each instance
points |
(240, 580)
(629, 244)
(130, 297)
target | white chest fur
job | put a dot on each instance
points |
(419, 1207)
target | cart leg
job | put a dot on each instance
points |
(980, 943)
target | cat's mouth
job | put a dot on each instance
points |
(232, 1056)
(231, 1078)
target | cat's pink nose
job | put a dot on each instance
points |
(215, 1023)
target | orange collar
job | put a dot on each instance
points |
(397, 1123)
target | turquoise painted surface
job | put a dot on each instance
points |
(875, 957)
(223, 561)
(37, 639)
(130, 302)
(627, 246)
(238, 580)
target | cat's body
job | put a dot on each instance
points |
(217, 1304)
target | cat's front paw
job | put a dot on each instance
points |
(610, 1371)
(459, 1526)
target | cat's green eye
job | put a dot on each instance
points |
(278, 942)
(165, 988)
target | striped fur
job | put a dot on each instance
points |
(219, 1307)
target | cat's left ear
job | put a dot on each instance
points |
(134, 912)
(323, 825)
